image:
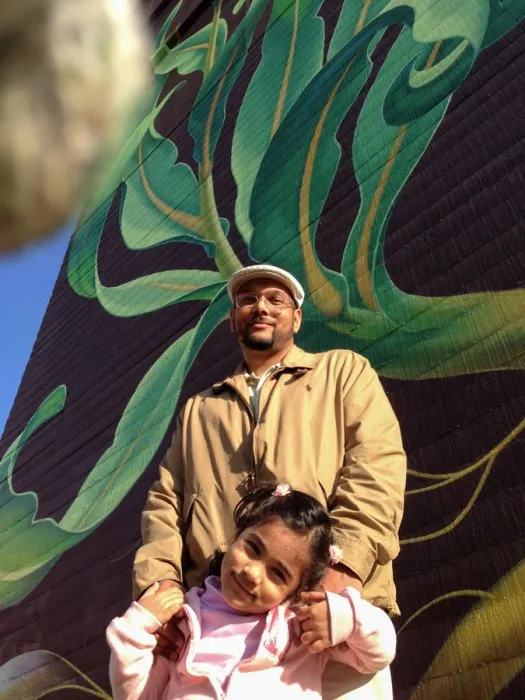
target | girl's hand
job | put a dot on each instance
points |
(315, 621)
(162, 603)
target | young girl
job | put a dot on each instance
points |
(243, 638)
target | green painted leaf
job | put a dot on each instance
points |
(485, 651)
(159, 204)
(82, 258)
(122, 165)
(22, 565)
(292, 53)
(36, 674)
(215, 314)
(208, 114)
(238, 6)
(186, 56)
(30, 546)
(163, 31)
(161, 200)
(305, 151)
(422, 85)
(384, 156)
(190, 55)
(352, 18)
(505, 15)
(447, 336)
(142, 426)
(86, 238)
(137, 437)
(156, 291)
(126, 163)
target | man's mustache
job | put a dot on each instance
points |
(261, 319)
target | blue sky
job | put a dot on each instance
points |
(27, 278)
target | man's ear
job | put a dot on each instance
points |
(297, 320)
(232, 320)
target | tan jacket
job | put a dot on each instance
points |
(325, 427)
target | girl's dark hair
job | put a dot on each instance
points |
(300, 512)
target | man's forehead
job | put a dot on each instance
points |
(261, 283)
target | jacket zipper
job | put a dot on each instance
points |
(251, 477)
(191, 652)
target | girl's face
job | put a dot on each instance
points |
(264, 567)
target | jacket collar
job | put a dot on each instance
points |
(299, 359)
(274, 642)
(296, 359)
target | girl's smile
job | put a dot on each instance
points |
(240, 587)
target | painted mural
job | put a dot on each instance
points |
(338, 140)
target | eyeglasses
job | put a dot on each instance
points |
(276, 301)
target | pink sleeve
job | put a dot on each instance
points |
(362, 635)
(134, 671)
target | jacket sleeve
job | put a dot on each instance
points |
(134, 671)
(363, 635)
(160, 556)
(367, 505)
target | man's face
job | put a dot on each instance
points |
(266, 325)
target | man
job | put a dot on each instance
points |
(320, 422)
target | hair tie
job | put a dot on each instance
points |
(282, 490)
(336, 554)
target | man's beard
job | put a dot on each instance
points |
(255, 343)
(276, 339)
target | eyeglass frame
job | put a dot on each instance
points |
(291, 305)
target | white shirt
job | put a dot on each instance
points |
(255, 385)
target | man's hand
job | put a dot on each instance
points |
(315, 621)
(339, 577)
(170, 639)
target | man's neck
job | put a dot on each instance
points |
(257, 361)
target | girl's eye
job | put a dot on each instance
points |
(253, 546)
(279, 574)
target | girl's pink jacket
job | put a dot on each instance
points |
(282, 667)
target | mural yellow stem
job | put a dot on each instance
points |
(210, 56)
(225, 258)
(364, 282)
(323, 294)
(171, 286)
(192, 48)
(361, 21)
(364, 278)
(190, 221)
(286, 78)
